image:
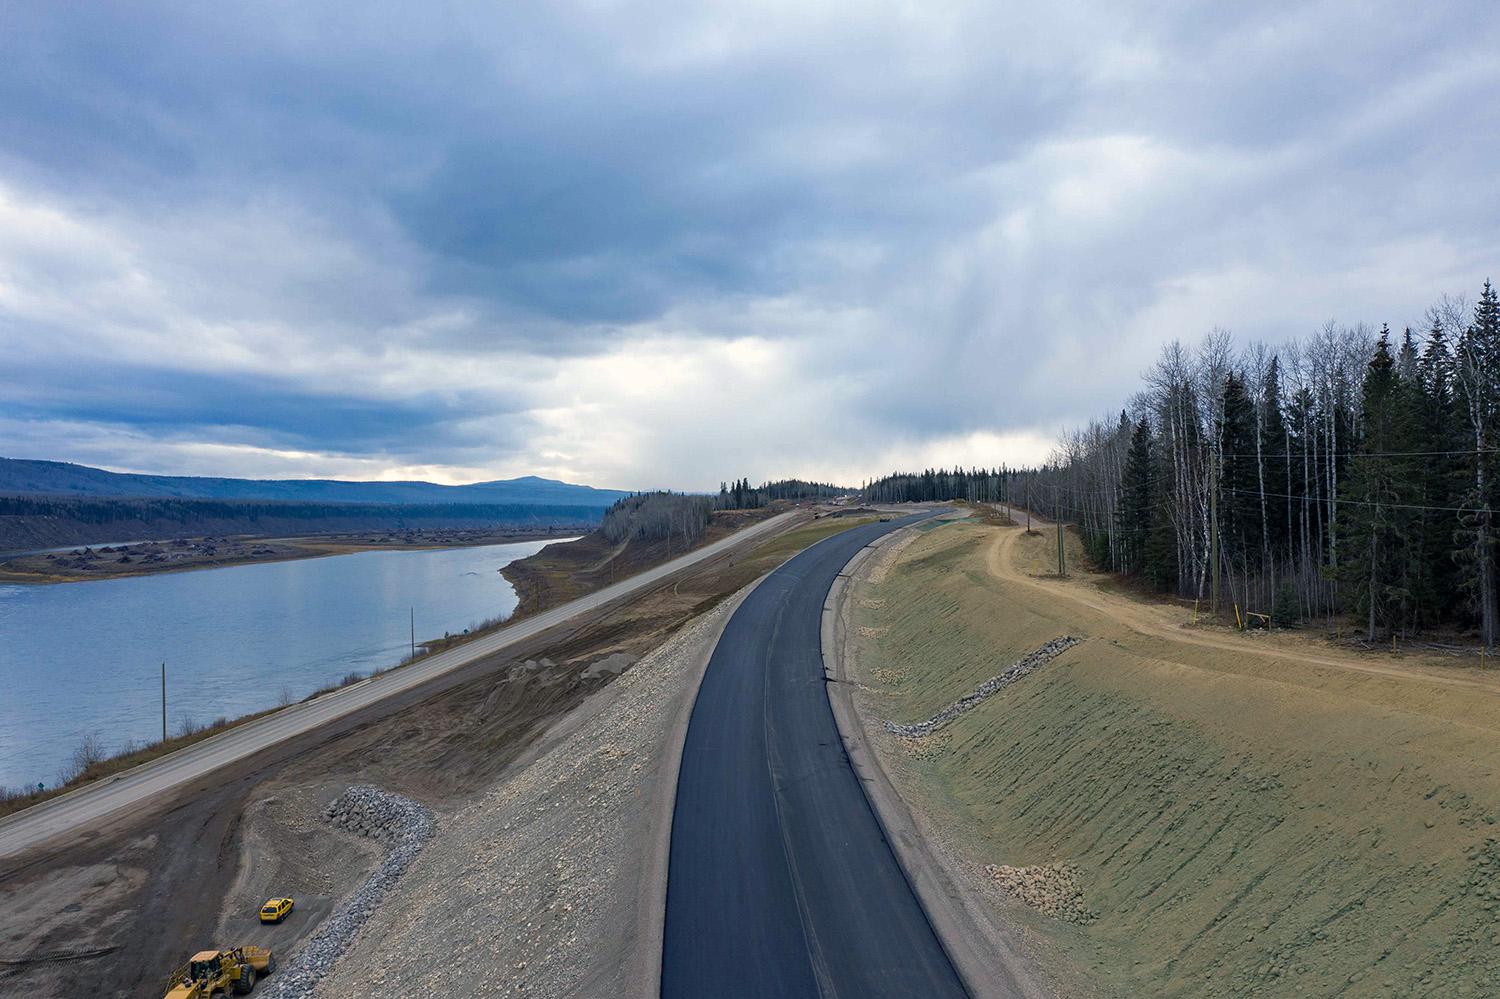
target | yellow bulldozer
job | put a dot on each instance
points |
(215, 974)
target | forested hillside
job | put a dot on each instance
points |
(58, 478)
(31, 522)
(1348, 472)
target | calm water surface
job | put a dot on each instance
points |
(82, 658)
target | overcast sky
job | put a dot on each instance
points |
(643, 244)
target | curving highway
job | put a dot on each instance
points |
(780, 881)
(108, 797)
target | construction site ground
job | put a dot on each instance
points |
(1186, 811)
(112, 910)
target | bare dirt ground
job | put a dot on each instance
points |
(146, 557)
(125, 903)
(1178, 811)
(288, 849)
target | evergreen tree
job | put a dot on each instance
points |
(1370, 522)
(1239, 479)
(1440, 485)
(1137, 500)
(1478, 367)
(1274, 461)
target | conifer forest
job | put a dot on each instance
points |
(1352, 472)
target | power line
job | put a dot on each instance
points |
(1079, 494)
(1366, 454)
(1353, 502)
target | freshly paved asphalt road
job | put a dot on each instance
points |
(780, 881)
(107, 797)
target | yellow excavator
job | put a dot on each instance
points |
(214, 974)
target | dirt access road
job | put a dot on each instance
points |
(98, 801)
(1165, 621)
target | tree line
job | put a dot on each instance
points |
(740, 495)
(1352, 471)
(92, 510)
(940, 485)
(35, 521)
(659, 516)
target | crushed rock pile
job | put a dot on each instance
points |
(388, 818)
(986, 689)
(1051, 889)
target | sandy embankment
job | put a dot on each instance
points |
(1239, 815)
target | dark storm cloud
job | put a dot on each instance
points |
(411, 231)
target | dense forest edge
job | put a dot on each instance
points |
(1351, 472)
(21, 476)
(32, 522)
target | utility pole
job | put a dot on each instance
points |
(414, 631)
(163, 701)
(1213, 534)
(1062, 566)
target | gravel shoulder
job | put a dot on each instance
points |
(991, 954)
(552, 882)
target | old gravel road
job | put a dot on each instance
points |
(780, 879)
(114, 795)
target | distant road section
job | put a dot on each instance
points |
(780, 880)
(107, 797)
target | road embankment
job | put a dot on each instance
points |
(552, 883)
(1186, 812)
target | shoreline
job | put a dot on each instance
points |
(216, 552)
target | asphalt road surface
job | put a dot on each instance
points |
(780, 881)
(107, 797)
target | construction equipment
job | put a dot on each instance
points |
(276, 909)
(214, 974)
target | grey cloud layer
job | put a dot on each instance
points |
(403, 236)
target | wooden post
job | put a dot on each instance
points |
(164, 702)
(1213, 535)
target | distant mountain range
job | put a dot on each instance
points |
(57, 478)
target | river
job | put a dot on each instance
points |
(80, 659)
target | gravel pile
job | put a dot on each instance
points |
(1051, 889)
(1041, 656)
(389, 818)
